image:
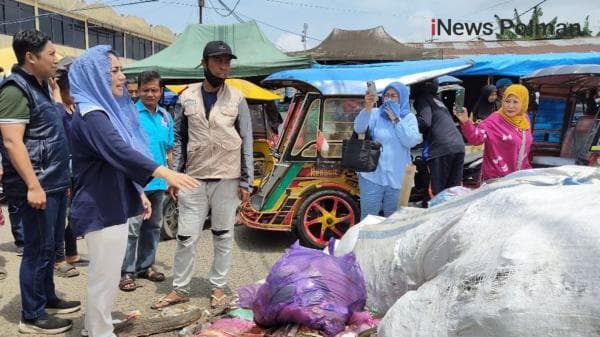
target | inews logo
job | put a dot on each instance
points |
(449, 27)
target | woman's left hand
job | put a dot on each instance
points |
(147, 207)
(391, 115)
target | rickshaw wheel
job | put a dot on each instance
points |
(324, 215)
(170, 220)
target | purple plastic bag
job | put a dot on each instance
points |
(308, 287)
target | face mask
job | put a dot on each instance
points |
(212, 79)
(395, 107)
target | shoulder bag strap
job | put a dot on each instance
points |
(368, 134)
(522, 150)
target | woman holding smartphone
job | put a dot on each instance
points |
(506, 134)
(396, 129)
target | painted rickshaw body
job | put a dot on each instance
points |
(302, 186)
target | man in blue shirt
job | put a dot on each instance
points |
(145, 234)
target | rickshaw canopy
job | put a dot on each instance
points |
(447, 79)
(578, 77)
(350, 79)
(248, 89)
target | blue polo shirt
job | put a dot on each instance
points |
(159, 130)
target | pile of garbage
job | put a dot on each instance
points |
(307, 293)
(517, 257)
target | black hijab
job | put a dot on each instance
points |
(483, 108)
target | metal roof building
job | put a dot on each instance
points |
(455, 49)
(74, 25)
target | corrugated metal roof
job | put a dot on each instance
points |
(459, 48)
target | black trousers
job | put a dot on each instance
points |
(446, 171)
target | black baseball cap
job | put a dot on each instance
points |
(216, 48)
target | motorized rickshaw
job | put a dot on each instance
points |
(304, 188)
(566, 123)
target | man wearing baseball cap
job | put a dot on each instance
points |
(213, 143)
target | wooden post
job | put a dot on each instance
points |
(407, 183)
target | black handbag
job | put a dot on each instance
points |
(361, 155)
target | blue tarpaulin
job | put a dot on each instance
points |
(549, 120)
(519, 65)
(350, 79)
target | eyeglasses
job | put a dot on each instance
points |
(391, 96)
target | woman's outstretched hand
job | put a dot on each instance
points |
(462, 116)
(179, 181)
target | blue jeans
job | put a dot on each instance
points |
(143, 237)
(66, 246)
(41, 229)
(373, 196)
(16, 223)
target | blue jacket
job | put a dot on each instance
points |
(105, 169)
(44, 138)
(396, 140)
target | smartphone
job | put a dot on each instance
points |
(371, 88)
(459, 99)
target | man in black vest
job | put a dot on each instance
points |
(34, 152)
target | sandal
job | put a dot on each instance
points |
(79, 261)
(172, 298)
(218, 299)
(152, 275)
(127, 283)
(64, 269)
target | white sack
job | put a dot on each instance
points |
(518, 257)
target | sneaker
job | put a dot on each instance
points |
(46, 324)
(63, 307)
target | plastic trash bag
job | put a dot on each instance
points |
(311, 288)
(517, 257)
(448, 194)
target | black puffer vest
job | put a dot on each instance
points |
(44, 138)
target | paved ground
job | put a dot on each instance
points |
(254, 254)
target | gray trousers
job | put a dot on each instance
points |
(222, 199)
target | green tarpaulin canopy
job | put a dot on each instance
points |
(257, 56)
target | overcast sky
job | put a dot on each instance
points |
(407, 20)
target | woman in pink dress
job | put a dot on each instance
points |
(506, 134)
